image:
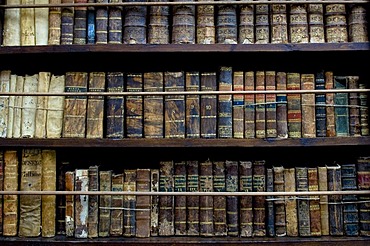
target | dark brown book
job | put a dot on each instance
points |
(115, 23)
(279, 23)
(315, 212)
(298, 23)
(192, 202)
(363, 182)
(281, 106)
(154, 209)
(129, 203)
(134, 28)
(262, 25)
(101, 23)
(322, 173)
(93, 212)
(335, 208)
(81, 203)
(357, 23)
(354, 109)
(225, 112)
(259, 210)
(183, 24)
(143, 203)
(55, 22)
(336, 23)
(260, 119)
(166, 203)
(280, 221)
(290, 203)
(232, 202)
(303, 204)
(219, 202)
(208, 110)
(364, 110)
(294, 111)
(192, 105)
(117, 214)
(180, 201)
(80, 23)
(158, 24)
(134, 106)
(67, 23)
(226, 24)
(270, 206)
(74, 118)
(246, 24)
(206, 26)
(105, 203)
(308, 106)
(206, 219)
(246, 205)
(238, 105)
(271, 117)
(70, 204)
(250, 106)
(63, 166)
(316, 28)
(330, 116)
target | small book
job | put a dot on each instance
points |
(246, 24)
(42, 104)
(225, 110)
(271, 117)
(80, 23)
(206, 27)
(341, 111)
(192, 202)
(262, 24)
(81, 203)
(298, 24)
(12, 25)
(316, 28)
(158, 24)
(192, 105)
(28, 32)
(320, 109)
(335, 208)
(290, 203)
(115, 23)
(206, 218)
(166, 203)
(354, 109)
(208, 110)
(154, 187)
(4, 102)
(336, 23)
(105, 203)
(270, 207)
(364, 110)
(18, 102)
(246, 205)
(232, 202)
(219, 202)
(179, 176)
(117, 214)
(134, 28)
(183, 24)
(314, 203)
(143, 203)
(363, 178)
(134, 106)
(226, 24)
(63, 167)
(55, 22)
(93, 212)
(238, 105)
(304, 226)
(259, 210)
(101, 23)
(250, 105)
(322, 173)
(260, 98)
(67, 23)
(281, 106)
(357, 23)
(280, 210)
(279, 24)
(329, 99)
(294, 111)
(308, 106)
(29, 106)
(55, 108)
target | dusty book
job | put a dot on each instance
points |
(219, 202)
(238, 105)
(208, 110)
(134, 27)
(55, 107)
(166, 203)
(29, 107)
(179, 177)
(192, 105)
(232, 202)
(93, 212)
(225, 110)
(41, 105)
(206, 203)
(143, 203)
(335, 208)
(226, 24)
(134, 106)
(192, 202)
(183, 27)
(117, 214)
(308, 106)
(246, 205)
(105, 203)
(81, 203)
(115, 23)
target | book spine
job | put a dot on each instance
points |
(192, 105)
(363, 182)
(115, 23)
(28, 32)
(134, 106)
(91, 15)
(143, 203)
(336, 23)
(245, 207)
(335, 208)
(329, 99)
(324, 209)
(158, 26)
(225, 83)
(206, 29)
(308, 106)
(80, 23)
(298, 24)
(281, 106)
(206, 203)
(280, 217)
(341, 111)
(67, 23)
(260, 119)
(117, 215)
(208, 110)
(166, 203)
(17, 121)
(134, 29)
(232, 202)
(55, 22)
(12, 25)
(226, 24)
(259, 210)
(262, 24)
(1, 189)
(101, 24)
(279, 25)
(290, 203)
(270, 213)
(246, 24)
(105, 203)
(93, 212)
(354, 110)
(304, 227)
(129, 202)
(219, 202)
(357, 24)
(81, 203)
(4, 102)
(180, 201)
(250, 106)
(183, 27)
(294, 106)
(29, 107)
(63, 167)
(41, 105)
(316, 27)
(11, 102)
(154, 181)
(320, 109)
(271, 120)
(238, 105)
(364, 111)
(55, 109)
(192, 202)
(314, 206)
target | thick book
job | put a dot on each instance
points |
(192, 202)
(208, 109)
(29, 106)
(67, 23)
(232, 202)
(80, 23)
(115, 23)
(294, 111)
(179, 178)
(270, 206)
(134, 106)
(28, 32)
(226, 24)
(308, 106)
(357, 23)
(250, 106)
(364, 110)
(281, 106)
(238, 105)
(134, 28)
(290, 203)
(30, 205)
(4, 102)
(117, 202)
(271, 117)
(192, 105)
(174, 105)
(206, 26)
(314, 206)
(262, 24)
(41, 23)
(12, 25)
(154, 201)
(10, 202)
(70, 204)
(322, 173)
(341, 111)
(246, 205)
(335, 208)
(166, 202)
(260, 98)
(48, 183)
(17, 125)
(363, 182)
(320, 109)
(219, 202)
(81, 203)
(298, 23)
(183, 24)
(115, 117)
(316, 28)
(158, 23)
(153, 105)
(41, 105)
(279, 23)
(95, 106)
(55, 107)
(246, 33)
(206, 219)
(259, 209)
(55, 22)
(303, 204)
(280, 210)
(336, 29)
(143, 203)
(63, 167)
(93, 212)
(225, 103)
(74, 118)
(329, 99)
(101, 23)
(105, 203)
(354, 109)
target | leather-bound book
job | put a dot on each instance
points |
(303, 204)
(105, 203)
(30, 205)
(260, 119)
(259, 209)
(246, 206)
(341, 111)
(320, 109)
(174, 105)
(28, 29)
(271, 117)
(11, 104)
(192, 105)
(166, 203)
(95, 106)
(336, 29)
(294, 106)
(1, 189)
(93, 212)
(129, 203)
(270, 207)
(81, 203)
(316, 27)
(63, 167)
(180, 219)
(4, 101)
(101, 23)
(226, 24)
(117, 214)
(262, 24)
(67, 23)
(250, 106)
(80, 23)
(153, 105)
(350, 207)
(55, 107)
(232, 202)
(143, 203)
(315, 212)
(183, 24)
(154, 209)
(238, 105)
(115, 23)
(55, 22)
(74, 118)
(91, 16)
(208, 110)
(41, 105)
(354, 109)
(298, 24)
(279, 186)
(29, 106)
(357, 23)
(134, 106)
(281, 106)
(308, 106)
(219, 202)
(246, 33)
(322, 173)
(206, 218)
(279, 24)
(364, 110)
(192, 202)
(363, 182)
(206, 26)
(10, 202)
(134, 28)
(225, 103)
(335, 208)
(48, 183)
(115, 119)
(329, 99)
(12, 25)
(158, 23)
(290, 203)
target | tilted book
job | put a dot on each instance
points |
(158, 23)
(134, 28)
(225, 111)
(101, 23)
(262, 24)
(329, 99)
(246, 22)
(290, 203)
(316, 28)
(80, 23)
(281, 106)
(67, 23)
(28, 28)
(154, 187)
(279, 24)
(280, 210)
(232, 202)
(134, 106)
(259, 209)
(357, 23)
(192, 202)
(341, 111)
(143, 203)
(105, 203)
(219, 202)
(208, 110)
(192, 105)
(70, 204)
(298, 23)
(308, 106)
(363, 182)
(238, 105)
(55, 22)
(260, 119)
(335, 208)
(117, 214)
(336, 23)
(179, 176)
(29, 106)
(354, 109)
(271, 117)
(206, 26)
(166, 203)
(322, 173)
(246, 205)
(250, 106)
(93, 212)
(314, 207)
(115, 23)
(294, 106)
(55, 108)
(226, 24)
(183, 24)
(12, 25)
(270, 207)
(206, 219)
(81, 203)
(320, 109)
(4, 102)
(364, 110)
(42, 104)
(303, 204)
(74, 118)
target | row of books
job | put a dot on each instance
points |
(186, 24)
(103, 215)
(255, 115)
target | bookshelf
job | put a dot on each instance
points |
(341, 58)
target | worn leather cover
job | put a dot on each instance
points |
(206, 220)
(93, 213)
(208, 110)
(192, 105)
(180, 201)
(81, 203)
(143, 203)
(225, 103)
(246, 205)
(307, 107)
(166, 203)
(192, 202)
(134, 106)
(219, 202)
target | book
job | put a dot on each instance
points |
(93, 211)
(67, 23)
(10, 202)
(11, 104)
(158, 24)
(143, 203)
(62, 167)
(281, 106)
(250, 106)
(134, 28)
(1, 189)
(290, 203)
(154, 187)
(12, 25)
(192, 105)
(18, 102)
(336, 23)
(320, 109)
(298, 23)
(219, 202)
(166, 203)
(304, 225)
(134, 106)
(115, 119)
(322, 173)
(279, 24)
(357, 23)
(101, 23)
(41, 23)
(246, 205)
(205, 24)
(206, 203)
(279, 186)
(225, 103)
(238, 105)
(308, 106)
(153, 105)
(90, 27)
(208, 109)
(29, 106)
(341, 111)
(364, 110)
(329, 99)
(180, 180)
(174, 105)
(271, 117)
(226, 24)
(363, 177)
(232, 202)
(270, 207)
(259, 210)
(30, 205)
(105, 202)
(41, 105)
(74, 117)
(55, 107)
(95, 106)
(246, 24)
(192, 202)
(115, 23)
(4, 102)
(262, 24)
(70, 204)
(314, 202)
(294, 111)
(48, 183)
(335, 208)
(81, 203)
(316, 28)
(183, 24)
(28, 31)
(354, 110)
(55, 22)
(260, 99)
(117, 225)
